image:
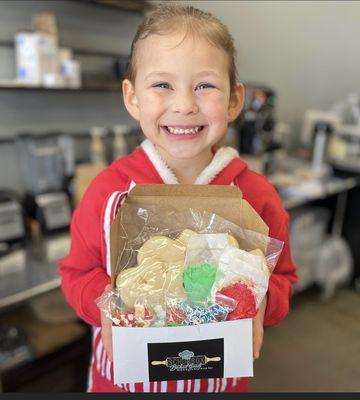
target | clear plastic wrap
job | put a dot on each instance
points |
(215, 265)
(185, 312)
(187, 267)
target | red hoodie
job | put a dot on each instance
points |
(85, 271)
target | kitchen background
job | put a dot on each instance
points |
(63, 120)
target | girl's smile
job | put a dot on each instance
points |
(184, 132)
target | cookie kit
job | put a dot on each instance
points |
(190, 265)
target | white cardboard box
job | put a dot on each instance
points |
(217, 350)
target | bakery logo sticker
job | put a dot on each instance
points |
(187, 361)
(198, 359)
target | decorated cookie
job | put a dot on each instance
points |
(246, 306)
(153, 273)
(129, 288)
(235, 264)
(136, 317)
(174, 279)
(233, 242)
(183, 312)
(258, 252)
(198, 281)
(163, 248)
(159, 271)
(185, 236)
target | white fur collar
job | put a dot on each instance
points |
(221, 159)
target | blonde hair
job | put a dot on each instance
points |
(165, 19)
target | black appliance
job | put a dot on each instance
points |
(256, 123)
(46, 176)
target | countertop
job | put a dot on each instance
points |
(40, 273)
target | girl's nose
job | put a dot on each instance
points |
(185, 103)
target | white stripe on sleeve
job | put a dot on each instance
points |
(217, 385)
(197, 385)
(163, 386)
(223, 384)
(211, 385)
(180, 386)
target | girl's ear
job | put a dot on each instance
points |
(130, 99)
(236, 102)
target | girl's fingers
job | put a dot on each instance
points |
(257, 343)
(107, 342)
(258, 335)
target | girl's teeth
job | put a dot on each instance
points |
(178, 131)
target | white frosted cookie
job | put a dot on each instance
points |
(233, 242)
(153, 274)
(151, 246)
(258, 252)
(147, 283)
(163, 248)
(184, 236)
(128, 273)
(174, 279)
(150, 264)
(159, 271)
(129, 287)
(236, 264)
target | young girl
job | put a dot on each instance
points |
(181, 87)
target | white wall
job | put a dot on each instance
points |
(307, 50)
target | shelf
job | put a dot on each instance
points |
(329, 188)
(87, 87)
(79, 51)
(76, 135)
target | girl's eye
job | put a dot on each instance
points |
(162, 85)
(204, 86)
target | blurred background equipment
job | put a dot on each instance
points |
(344, 149)
(14, 347)
(120, 143)
(260, 135)
(12, 233)
(43, 168)
(57, 71)
(46, 172)
(322, 259)
(257, 121)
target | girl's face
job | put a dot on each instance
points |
(181, 95)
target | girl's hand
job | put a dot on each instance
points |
(258, 329)
(106, 334)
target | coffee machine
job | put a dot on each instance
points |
(45, 171)
(12, 233)
(256, 123)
